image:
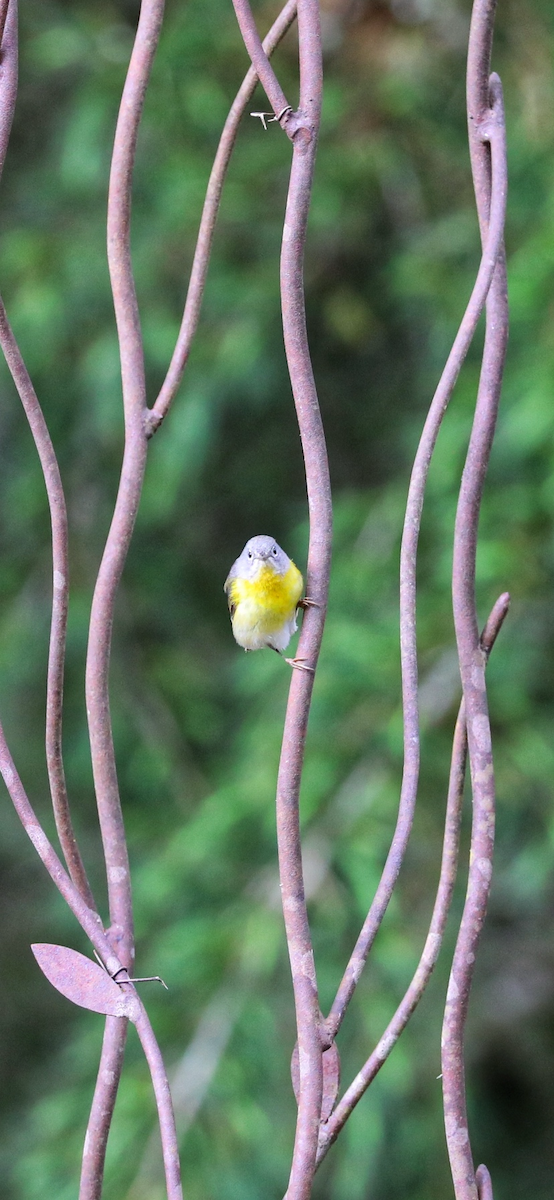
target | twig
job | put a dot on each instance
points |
(87, 918)
(105, 1094)
(260, 60)
(429, 956)
(408, 562)
(60, 591)
(170, 1147)
(8, 72)
(195, 290)
(192, 1075)
(92, 926)
(482, 98)
(103, 604)
(90, 922)
(56, 502)
(484, 1183)
(132, 472)
(319, 557)
(4, 5)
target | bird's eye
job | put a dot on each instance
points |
(250, 554)
(274, 551)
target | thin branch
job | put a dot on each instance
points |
(56, 503)
(319, 557)
(8, 72)
(484, 1183)
(111, 567)
(199, 270)
(92, 926)
(482, 96)
(408, 564)
(260, 60)
(60, 592)
(132, 473)
(191, 1077)
(158, 1074)
(4, 5)
(105, 1094)
(433, 942)
(88, 919)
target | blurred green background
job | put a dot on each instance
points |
(392, 253)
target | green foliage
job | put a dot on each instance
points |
(393, 248)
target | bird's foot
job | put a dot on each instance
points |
(307, 603)
(300, 664)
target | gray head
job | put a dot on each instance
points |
(259, 551)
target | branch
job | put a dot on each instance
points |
(260, 60)
(431, 949)
(109, 575)
(482, 98)
(170, 1147)
(60, 593)
(132, 473)
(484, 1183)
(310, 1043)
(408, 565)
(87, 918)
(8, 72)
(199, 270)
(92, 926)
(56, 500)
(105, 1095)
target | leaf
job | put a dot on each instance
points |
(83, 981)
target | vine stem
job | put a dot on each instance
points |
(132, 473)
(199, 270)
(311, 1040)
(103, 606)
(433, 941)
(60, 597)
(408, 568)
(55, 496)
(8, 72)
(260, 60)
(482, 94)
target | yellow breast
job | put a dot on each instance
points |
(265, 607)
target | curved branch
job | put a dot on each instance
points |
(115, 553)
(134, 459)
(55, 495)
(430, 953)
(482, 96)
(60, 593)
(260, 60)
(92, 926)
(166, 1116)
(8, 72)
(484, 1183)
(105, 1095)
(195, 291)
(408, 563)
(310, 1044)
(88, 919)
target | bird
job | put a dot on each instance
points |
(264, 592)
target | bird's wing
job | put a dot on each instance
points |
(227, 589)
